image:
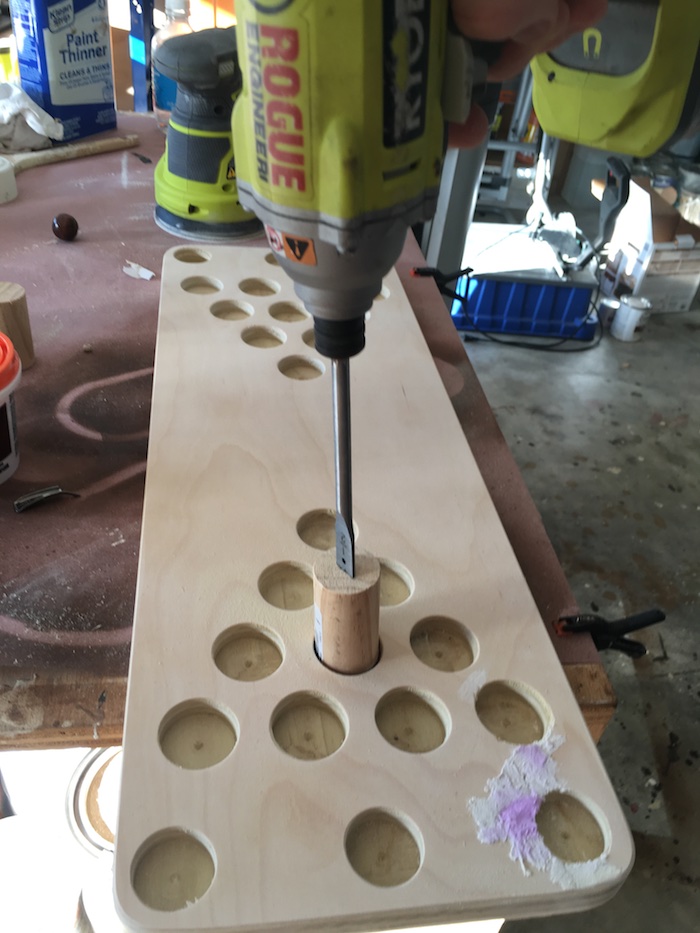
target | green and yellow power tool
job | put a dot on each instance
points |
(340, 138)
(195, 180)
(631, 84)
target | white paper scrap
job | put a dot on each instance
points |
(136, 271)
(23, 124)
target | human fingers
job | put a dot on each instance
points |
(492, 20)
(525, 29)
(499, 20)
(585, 13)
(469, 134)
(574, 16)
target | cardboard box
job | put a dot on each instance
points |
(654, 252)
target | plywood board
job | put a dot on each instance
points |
(261, 790)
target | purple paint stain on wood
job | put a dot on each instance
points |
(518, 819)
(509, 812)
(533, 756)
(516, 824)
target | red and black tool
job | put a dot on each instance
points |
(611, 634)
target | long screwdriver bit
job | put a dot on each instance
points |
(344, 536)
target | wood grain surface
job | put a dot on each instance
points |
(346, 613)
(56, 709)
(293, 797)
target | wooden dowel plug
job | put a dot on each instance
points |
(346, 613)
(14, 321)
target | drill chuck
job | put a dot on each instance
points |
(339, 339)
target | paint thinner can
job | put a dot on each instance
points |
(65, 62)
(10, 375)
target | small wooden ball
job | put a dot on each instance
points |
(65, 226)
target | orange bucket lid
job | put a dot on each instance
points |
(9, 361)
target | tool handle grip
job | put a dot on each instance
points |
(636, 622)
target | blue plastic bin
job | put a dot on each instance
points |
(526, 306)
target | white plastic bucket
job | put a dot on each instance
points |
(10, 374)
(630, 318)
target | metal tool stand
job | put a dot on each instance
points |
(496, 184)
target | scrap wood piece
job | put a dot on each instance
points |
(63, 153)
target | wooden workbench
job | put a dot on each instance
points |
(68, 567)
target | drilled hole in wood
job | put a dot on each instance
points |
(172, 870)
(195, 735)
(201, 285)
(379, 655)
(301, 368)
(289, 311)
(442, 644)
(412, 721)
(287, 585)
(308, 338)
(259, 287)
(191, 254)
(512, 712)
(309, 726)
(263, 338)
(569, 829)
(271, 259)
(317, 529)
(384, 848)
(231, 310)
(395, 583)
(246, 652)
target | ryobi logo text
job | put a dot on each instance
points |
(406, 43)
(278, 119)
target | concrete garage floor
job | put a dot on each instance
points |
(608, 442)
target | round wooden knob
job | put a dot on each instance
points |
(346, 613)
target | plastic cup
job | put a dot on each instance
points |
(630, 318)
